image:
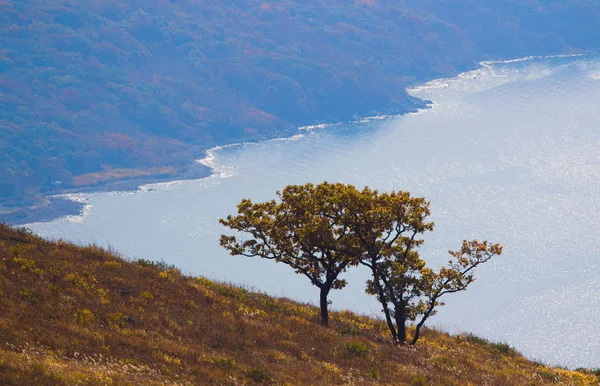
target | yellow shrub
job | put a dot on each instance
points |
(279, 356)
(170, 359)
(28, 265)
(84, 316)
(227, 315)
(331, 368)
(204, 282)
(575, 377)
(80, 282)
(115, 316)
(299, 320)
(169, 275)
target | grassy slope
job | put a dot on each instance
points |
(73, 315)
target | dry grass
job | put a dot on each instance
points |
(73, 315)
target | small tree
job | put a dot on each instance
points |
(411, 291)
(386, 228)
(306, 230)
(455, 277)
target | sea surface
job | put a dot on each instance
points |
(509, 153)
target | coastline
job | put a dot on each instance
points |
(63, 202)
(58, 204)
(484, 65)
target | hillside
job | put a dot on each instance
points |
(73, 315)
(93, 92)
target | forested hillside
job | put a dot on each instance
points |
(93, 91)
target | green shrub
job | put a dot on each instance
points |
(374, 373)
(499, 347)
(418, 380)
(259, 375)
(224, 362)
(28, 295)
(503, 348)
(158, 265)
(229, 292)
(356, 349)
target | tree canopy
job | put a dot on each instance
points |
(306, 230)
(387, 229)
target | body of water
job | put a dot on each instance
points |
(509, 153)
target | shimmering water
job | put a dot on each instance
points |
(508, 153)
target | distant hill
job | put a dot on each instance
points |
(73, 315)
(97, 91)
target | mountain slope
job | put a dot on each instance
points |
(97, 91)
(73, 315)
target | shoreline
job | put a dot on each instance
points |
(57, 204)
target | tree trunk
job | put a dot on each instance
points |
(386, 312)
(323, 301)
(400, 315)
(432, 304)
(417, 333)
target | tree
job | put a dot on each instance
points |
(453, 278)
(322, 230)
(408, 289)
(387, 227)
(386, 230)
(306, 229)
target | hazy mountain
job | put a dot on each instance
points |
(93, 91)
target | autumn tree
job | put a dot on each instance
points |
(322, 230)
(387, 229)
(305, 229)
(406, 288)
(454, 277)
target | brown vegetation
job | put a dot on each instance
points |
(73, 315)
(116, 174)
